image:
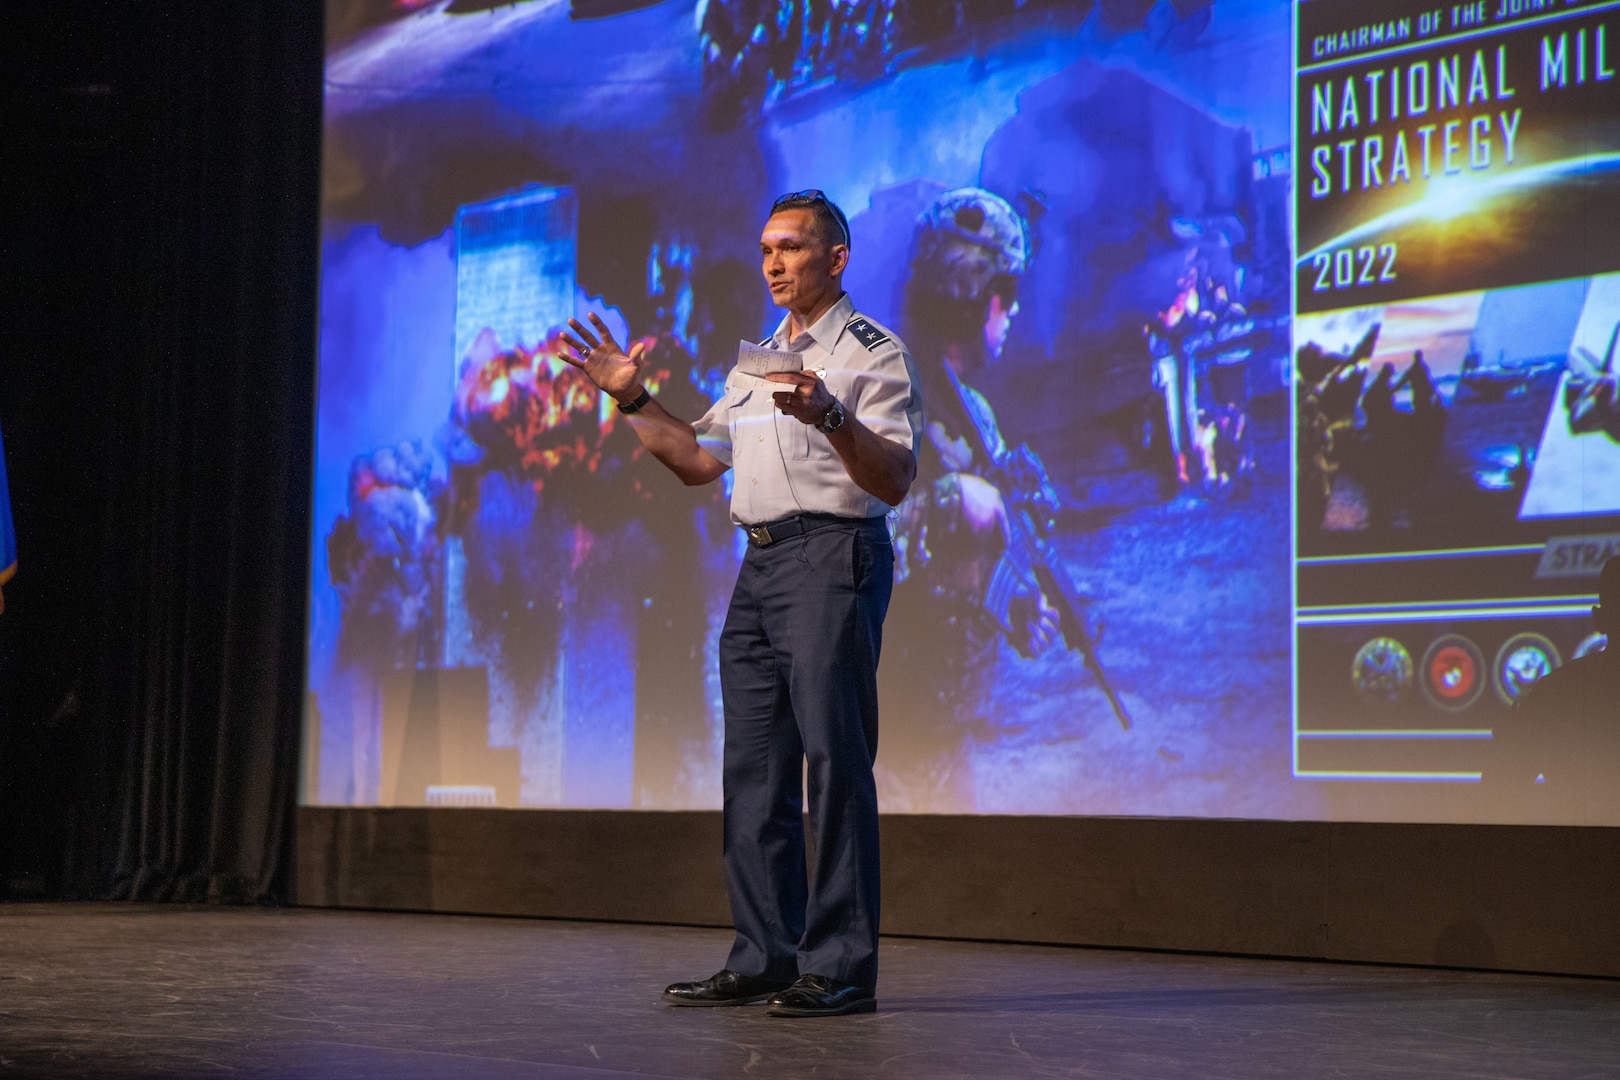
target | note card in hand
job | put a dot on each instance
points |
(758, 361)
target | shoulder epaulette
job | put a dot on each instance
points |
(866, 332)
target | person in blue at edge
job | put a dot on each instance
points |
(8, 535)
(821, 455)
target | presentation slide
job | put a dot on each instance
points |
(1457, 309)
(1268, 348)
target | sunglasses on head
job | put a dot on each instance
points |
(814, 195)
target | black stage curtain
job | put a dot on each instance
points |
(160, 182)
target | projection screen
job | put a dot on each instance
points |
(1297, 369)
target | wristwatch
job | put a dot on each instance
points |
(833, 420)
(637, 403)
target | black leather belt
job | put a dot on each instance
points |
(772, 532)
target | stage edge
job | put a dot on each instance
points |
(1516, 898)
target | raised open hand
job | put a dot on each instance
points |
(613, 371)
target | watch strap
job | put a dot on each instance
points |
(637, 403)
(833, 420)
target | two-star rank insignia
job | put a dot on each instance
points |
(866, 333)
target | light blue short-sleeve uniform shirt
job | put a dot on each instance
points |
(784, 467)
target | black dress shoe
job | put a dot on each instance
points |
(817, 995)
(724, 988)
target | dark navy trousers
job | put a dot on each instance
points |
(798, 677)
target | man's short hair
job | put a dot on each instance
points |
(831, 227)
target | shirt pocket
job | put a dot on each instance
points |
(731, 405)
(801, 441)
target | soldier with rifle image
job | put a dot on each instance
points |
(973, 559)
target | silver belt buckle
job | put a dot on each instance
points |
(760, 535)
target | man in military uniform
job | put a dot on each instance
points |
(820, 455)
(960, 587)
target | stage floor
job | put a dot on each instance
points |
(114, 990)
